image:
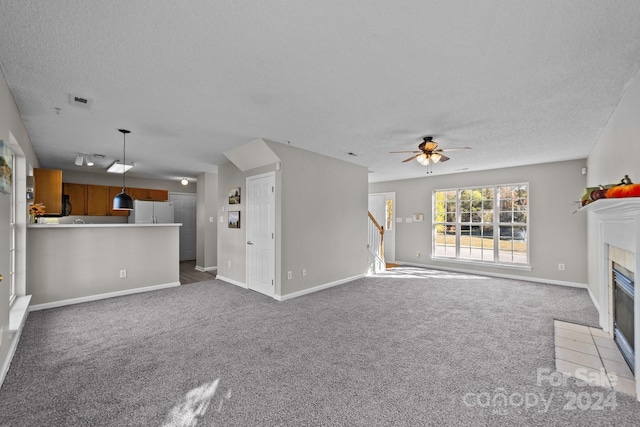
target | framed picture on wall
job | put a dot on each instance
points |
(234, 196)
(234, 219)
(6, 168)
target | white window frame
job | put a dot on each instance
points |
(496, 223)
(12, 235)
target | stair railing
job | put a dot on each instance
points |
(376, 245)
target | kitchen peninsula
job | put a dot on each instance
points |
(72, 263)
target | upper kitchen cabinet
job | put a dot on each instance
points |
(158, 195)
(98, 201)
(77, 198)
(148, 194)
(48, 190)
(138, 193)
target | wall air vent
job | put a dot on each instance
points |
(80, 101)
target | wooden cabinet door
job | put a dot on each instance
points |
(77, 197)
(48, 190)
(138, 193)
(159, 195)
(113, 192)
(98, 200)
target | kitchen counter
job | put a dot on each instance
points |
(115, 225)
(73, 263)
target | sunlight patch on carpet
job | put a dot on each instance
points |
(193, 406)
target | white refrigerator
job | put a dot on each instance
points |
(151, 212)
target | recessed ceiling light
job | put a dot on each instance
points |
(184, 181)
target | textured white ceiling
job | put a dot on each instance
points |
(521, 82)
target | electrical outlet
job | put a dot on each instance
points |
(561, 267)
(123, 274)
(228, 264)
(304, 272)
(289, 275)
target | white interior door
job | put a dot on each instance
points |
(185, 212)
(261, 233)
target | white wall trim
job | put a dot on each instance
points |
(317, 288)
(231, 281)
(500, 275)
(97, 297)
(205, 269)
(12, 351)
(595, 302)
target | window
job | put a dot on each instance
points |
(482, 224)
(12, 234)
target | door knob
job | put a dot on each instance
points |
(1, 277)
(249, 242)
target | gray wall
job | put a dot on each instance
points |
(556, 235)
(321, 220)
(207, 231)
(68, 262)
(617, 153)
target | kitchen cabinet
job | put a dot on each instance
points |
(48, 190)
(158, 195)
(98, 200)
(77, 197)
(113, 192)
(88, 199)
(138, 193)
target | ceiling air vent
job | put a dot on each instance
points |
(80, 101)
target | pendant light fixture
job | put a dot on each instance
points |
(123, 201)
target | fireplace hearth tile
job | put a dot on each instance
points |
(572, 335)
(625, 385)
(620, 369)
(574, 357)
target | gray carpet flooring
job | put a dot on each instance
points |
(409, 347)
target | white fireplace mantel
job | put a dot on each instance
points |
(618, 225)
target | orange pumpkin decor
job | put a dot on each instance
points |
(625, 189)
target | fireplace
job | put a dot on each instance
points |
(623, 318)
(614, 243)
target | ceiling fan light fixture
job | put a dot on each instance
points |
(423, 159)
(435, 157)
(79, 160)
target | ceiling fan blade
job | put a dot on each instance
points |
(443, 158)
(412, 151)
(453, 149)
(411, 158)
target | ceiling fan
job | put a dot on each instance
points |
(428, 152)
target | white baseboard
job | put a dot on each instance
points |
(317, 288)
(62, 303)
(501, 275)
(233, 282)
(205, 269)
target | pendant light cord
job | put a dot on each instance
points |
(124, 157)
(124, 154)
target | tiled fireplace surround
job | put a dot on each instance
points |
(615, 225)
